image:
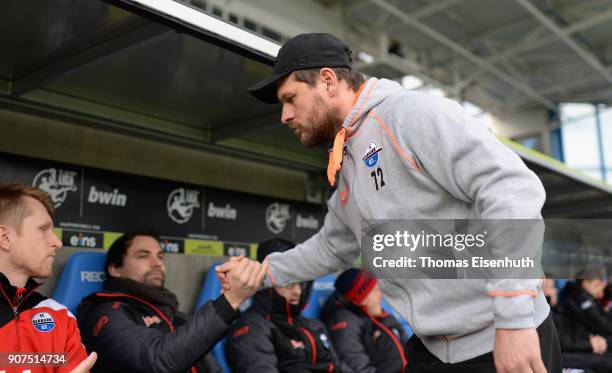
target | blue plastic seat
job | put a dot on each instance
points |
(560, 283)
(321, 290)
(211, 289)
(83, 274)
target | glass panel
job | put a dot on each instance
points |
(580, 146)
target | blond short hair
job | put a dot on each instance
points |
(13, 206)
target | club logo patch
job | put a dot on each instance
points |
(151, 320)
(43, 322)
(324, 341)
(396, 332)
(371, 157)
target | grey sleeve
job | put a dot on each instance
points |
(332, 249)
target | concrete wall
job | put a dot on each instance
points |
(48, 139)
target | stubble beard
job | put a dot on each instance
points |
(155, 283)
(324, 120)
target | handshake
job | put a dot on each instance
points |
(240, 278)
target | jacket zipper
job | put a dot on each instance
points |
(288, 310)
(305, 331)
(351, 185)
(15, 309)
(312, 343)
(397, 343)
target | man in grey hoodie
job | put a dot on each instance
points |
(432, 161)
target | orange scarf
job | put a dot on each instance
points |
(336, 153)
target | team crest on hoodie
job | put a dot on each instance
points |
(370, 159)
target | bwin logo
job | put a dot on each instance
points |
(181, 203)
(277, 215)
(56, 183)
(103, 198)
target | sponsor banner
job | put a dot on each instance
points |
(236, 249)
(89, 240)
(233, 216)
(61, 181)
(254, 247)
(308, 220)
(109, 238)
(201, 247)
(58, 232)
(184, 207)
(171, 245)
(105, 202)
(278, 215)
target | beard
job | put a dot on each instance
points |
(155, 281)
(322, 123)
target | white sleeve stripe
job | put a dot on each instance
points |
(54, 305)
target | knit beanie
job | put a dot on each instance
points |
(355, 284)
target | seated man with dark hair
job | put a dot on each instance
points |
(366, 337)
(271, 336)
(134, 324)
(585, 331)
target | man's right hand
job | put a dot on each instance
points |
(242, 280)
(599, 344)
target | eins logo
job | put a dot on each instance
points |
(168, 246)
(56, 183)
(181, 203)
(81, 240)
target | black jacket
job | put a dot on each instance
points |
(365, 343)
(271, 336)
(133, 333)
(580, 316)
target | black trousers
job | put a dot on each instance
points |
(420, 360)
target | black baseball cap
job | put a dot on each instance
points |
(304, 51)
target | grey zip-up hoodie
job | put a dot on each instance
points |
(438, 163)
